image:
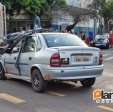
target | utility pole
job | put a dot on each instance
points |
(95, 22)
(95, 26)
(3, 29)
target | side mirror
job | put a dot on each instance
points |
(8, 51)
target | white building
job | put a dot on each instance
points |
(61, 22)
(79, 3)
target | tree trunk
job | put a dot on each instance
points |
(70, 27)
(76, 20)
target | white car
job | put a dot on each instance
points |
(43, 57)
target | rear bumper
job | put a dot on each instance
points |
(72, 73)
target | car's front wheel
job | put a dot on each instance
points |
(38, 83)
(2, 73)
(88, 82)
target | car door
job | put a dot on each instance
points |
(27, 55)
(11, 59)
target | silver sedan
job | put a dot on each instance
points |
(43, 57)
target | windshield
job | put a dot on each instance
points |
(102, 37)
(55, 40)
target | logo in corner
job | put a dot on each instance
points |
(101, 96)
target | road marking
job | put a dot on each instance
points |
(11, 81)
(55, 93)
(106, 54)
(109, 58)
(105, 108)
(11, 98)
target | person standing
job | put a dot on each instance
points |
(21, 30)
(111, 39)
(90, 35)
(83, 35)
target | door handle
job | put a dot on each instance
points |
(14, 58)
(30, 58)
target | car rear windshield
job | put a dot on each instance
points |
(56, 40)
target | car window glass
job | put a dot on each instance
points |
(17, 47)
(30, 44)
(54, 40)
(38, 44)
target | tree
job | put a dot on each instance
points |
(31, 7)
(107, 13)
(106, 10)
(51, 5)
(78, 14)
(97, 5)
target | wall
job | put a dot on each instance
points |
(87, 26)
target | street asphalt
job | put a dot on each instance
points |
(18, 96)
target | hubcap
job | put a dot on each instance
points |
(36, 81)
(85, 81)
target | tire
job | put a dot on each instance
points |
(107, 46)
(2, 73)
(39, 85)
(1, 51)
(88, 82)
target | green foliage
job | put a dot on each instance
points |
(51, 5)
(32, 7)
(107, 10)
(107, 13)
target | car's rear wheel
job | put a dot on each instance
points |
(2, 73)
(88, 82)
(38, 83)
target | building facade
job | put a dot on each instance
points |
(25, 21)
(61, 20)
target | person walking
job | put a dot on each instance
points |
(111, 39)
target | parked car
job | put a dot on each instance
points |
(101, 41)
(43, 57)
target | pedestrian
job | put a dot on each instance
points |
(90, 35)
(21, 30)
(83, 35)
(111, 39)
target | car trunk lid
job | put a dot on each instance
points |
(78, 56)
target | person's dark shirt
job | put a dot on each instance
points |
(83, 38)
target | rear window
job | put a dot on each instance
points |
(57, 40)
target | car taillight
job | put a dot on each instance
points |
(101, 59)
(55, 60)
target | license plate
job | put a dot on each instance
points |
(82, 58)
(97, 44)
